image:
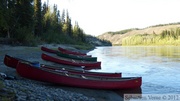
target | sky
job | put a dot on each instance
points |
(96, 17)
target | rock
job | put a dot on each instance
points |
(3, 75)
(10, 78)
(28, 90)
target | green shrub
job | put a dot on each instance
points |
(25, 36)
(54, 37)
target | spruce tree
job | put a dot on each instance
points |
(37, 17)
(24, 11)
(67, 26)
(7, 19)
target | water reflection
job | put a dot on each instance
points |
(166, 51)
(159, 66)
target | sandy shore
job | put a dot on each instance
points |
(34, 54)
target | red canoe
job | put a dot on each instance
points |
(56, 51)
(85, 64)
(13, 61)
(72, 56)
(48, 50)
(69, 79)
(70, 52)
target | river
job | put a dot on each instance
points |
(159, 66)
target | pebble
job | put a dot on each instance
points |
(30, 90)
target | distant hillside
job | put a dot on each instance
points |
(94, 41)
(116, 37)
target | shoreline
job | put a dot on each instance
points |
(34, 54)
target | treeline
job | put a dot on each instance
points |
(166, 37)
(123, 31)
(30, 21)
(159, 25)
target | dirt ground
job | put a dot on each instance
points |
(34, 54)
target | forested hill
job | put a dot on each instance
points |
(31, 22)
(164, 34)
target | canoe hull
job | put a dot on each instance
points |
(10, 61)
(86, 65)
(48, 50)
(56, 51)
(71, 56)
(93, 59)
(34, 73)
(70, 52)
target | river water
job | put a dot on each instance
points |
(159, 66)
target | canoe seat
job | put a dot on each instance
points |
(66, 74)
(42, 65)
(83, 77)
(82, 67)
(57, 70)
(73, 61)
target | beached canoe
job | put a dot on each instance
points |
(56, 51)
(71, 56)
(29, 71)
(48, 50)
(13, 61)
(70, 52)
(84, 64)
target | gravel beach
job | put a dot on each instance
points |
(30, 90)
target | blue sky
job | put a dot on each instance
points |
(98, 16)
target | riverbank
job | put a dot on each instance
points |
(27, 90)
